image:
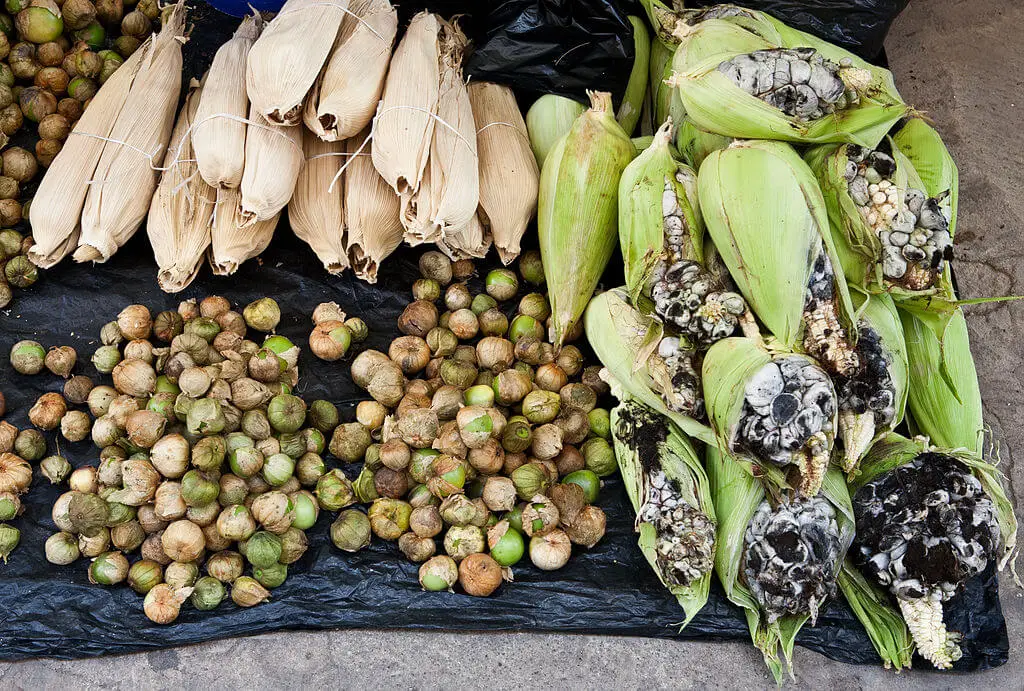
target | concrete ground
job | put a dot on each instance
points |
(958, 60)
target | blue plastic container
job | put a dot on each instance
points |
(240, 8)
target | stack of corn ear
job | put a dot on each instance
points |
(631, 106)
(218, 137)
(666, 483)
(181, 212)
(345, 96)
(778, 555)
(509, 176)
(316, 211)
(371, 211)
(747, 75)
(56, 211)
(578, 210)
(125, 175)
(273, 161)
(548, 120)
(286, 59)
(446, 201)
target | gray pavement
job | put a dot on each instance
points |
(961, 62)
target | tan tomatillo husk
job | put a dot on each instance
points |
(345, 97)
(371, 211)
(233, 243)
(125, 179)
(273, 160)
(287, 57)
(317, 211)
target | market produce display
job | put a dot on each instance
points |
(783, 379)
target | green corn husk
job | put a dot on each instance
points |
(641, 219)
(577, 210)
(736, 494)
(664, 19)
(717, 105)
(695, 144)
(628, 113)
(679, 461)
(728, 365)
(626, 343)
(764, 212)
(944, 396)
(883, 624)
(548, 120)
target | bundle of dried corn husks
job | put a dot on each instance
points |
(316, 211)
(56, 211)
(450, 190)
(345, 96)
(471, 241)
(404, 125)
(371, 212)
(218, 136)
(125, 177)
(273, 159)
(287, 58)
(509, 176)
(232, 244)
(182, 209)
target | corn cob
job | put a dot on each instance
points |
(577, 210)
(371, 212)
(548, 120)
(273, 161)
(666, 483)
(767, 217)
(234, 239)
(750, 76)
(316, 211)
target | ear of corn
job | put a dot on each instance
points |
(695, 144)
(625, 341)
(371, 211)
(656, 459)
(346, 94)
(471, 241)
(404, 125)
(273, 161)
(181, 212)
(125, 178)
(548, 120)
(56, 211)
(316, 211)
(218, 141)
(924, 148)
(883, 624)
(628, 113)
(772, 235)
(286, 59)
(234, 238)
(867, 105)
(509, 177)
(578, 210)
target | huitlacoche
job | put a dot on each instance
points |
(685, 394)
(913, 230)
(825, 337)
(685, 542)
(791, 556)
(800, 81)
(923, 530)
(867, 400)
(787, 416)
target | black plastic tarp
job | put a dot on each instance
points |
(47, 610)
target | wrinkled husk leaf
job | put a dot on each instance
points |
(273, 161)
(371, 211)
(233, 239)
(316, 211)
(883, 624)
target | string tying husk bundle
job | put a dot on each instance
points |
(288, 56)
(218, 141)
(273, 160)
(404, 125)
(182, 209)
(371, 211)
(345, 96)
(126, 175)
(56, 211)
(316, 211)
(509, 177)
(449, 192)
(235, 239)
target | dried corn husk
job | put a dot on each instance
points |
(509, 176)
(578, 210)
(56, 211)
(219, 141)
(471, 241)
(404, 126)
(371, 211)
(317, 211)
(288, 56)
(273, 161)
(450, 190)
(182, 209)
(548, 120)
(233, 243)
(345, 96)
(125, 176)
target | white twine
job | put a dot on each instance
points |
(352, 157)
(337, 7)
(435, 116)
(334, 153)
(506, 124)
